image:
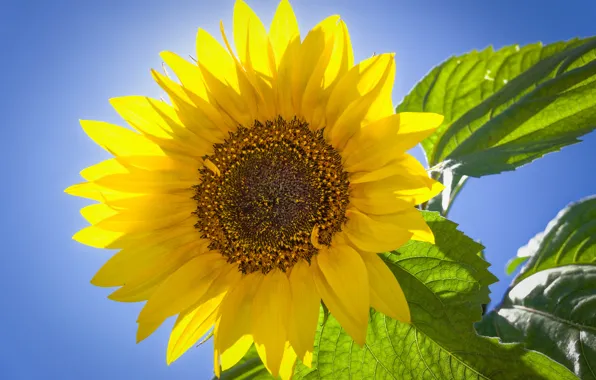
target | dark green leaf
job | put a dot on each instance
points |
(445, 285)
(554, 312)
(570, 238)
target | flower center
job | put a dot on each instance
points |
(273, 191)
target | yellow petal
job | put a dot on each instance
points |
(270, 313)
(204, 116)
(134, 220)
(95, 213)
(184, 287)
(415, 127)
(364, 95)
(342, 281)
(190, 327)
(370, 234)
(386, 296)
(234, 317)
(153, 205)
(189, 75)
(288, 362)
(234, 354)
(393, 194)
(140, 181)
(186, 164)
(387, 139)
(304, 309)
(160, 123)
(226, 82)
(319, 40)
(285, 41)
(141, 254)
(256, 55)
(142, 284)
(359, 81)
(419, 195)
(190, 108)
(404, 166)
(111, 166)
(144, 330)
(147, 212)
(333, 64)
(373, 146)
(228, 278)
(377, 198)
(96, 237)
(235, 312)
(216, 366)
(411, 220)
(93, 191)
(283, 30)
(119, 141)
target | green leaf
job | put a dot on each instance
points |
(445, 285)
(514, 263)
(461, 83)
(570, 238)
(508, 107)
(554, 312)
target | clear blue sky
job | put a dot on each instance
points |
(62, 61)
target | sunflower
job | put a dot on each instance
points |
(266, 188)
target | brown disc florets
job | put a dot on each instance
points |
(272, 185)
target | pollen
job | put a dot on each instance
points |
(265, 191)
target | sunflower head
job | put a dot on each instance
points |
(267, 185)
(273, 194)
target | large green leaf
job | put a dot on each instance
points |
(570, 238)
(445, 285)
(505, 108)
(554, 312)
(461, 83)
(512, 98)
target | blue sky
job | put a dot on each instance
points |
(63, 60)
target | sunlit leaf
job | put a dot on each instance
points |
(505, 108)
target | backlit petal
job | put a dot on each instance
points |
(235, 312)
(304, 311)
(190, 327)
(342, 281)
(317, 45)
(256, 55)
(372, 235)
(283, 30)
(226, 82)
(333, 64)
(360, 97)
(386, 295)
(183, 288)
(234, 354)
(119, 141)
(270, 313)
(288, 363)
